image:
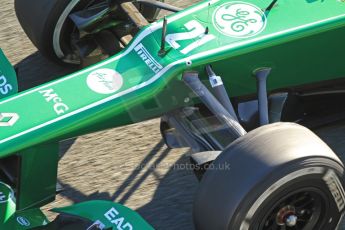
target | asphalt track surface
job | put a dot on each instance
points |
(117, 164)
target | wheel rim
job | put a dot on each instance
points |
(302, 209)
(61, 25)
(64, 48)
(57, 32)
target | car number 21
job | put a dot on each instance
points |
(196, 31)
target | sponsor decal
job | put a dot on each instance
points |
(239, 19)
(23, 221)
(105, 81)
(148, 59)
(98, 224)
(51, 97)
(114, 217)
(5, 87)
(216, 81)
(8, 119)
(335, 188)
(196, 36)
(6, 193)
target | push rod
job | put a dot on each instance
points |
(261, 79)
(192, 80)
(220, 91)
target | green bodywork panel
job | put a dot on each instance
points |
(8, 78)
(27, 219)
(35, 162)
(107, 214)
(7, 203)
(10, 219)
(302, 41)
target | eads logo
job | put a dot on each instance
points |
(239, 19)
(5, 87)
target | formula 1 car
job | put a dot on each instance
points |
(229, 79)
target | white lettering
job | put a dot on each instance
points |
(127, 226)
(118, 222)
(112, 216)
(59, 107)
(196, 31)
(335, 188)
(49, 94)
(144, 54)
(5, 88)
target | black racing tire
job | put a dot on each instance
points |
(274, 175)
(48, 26)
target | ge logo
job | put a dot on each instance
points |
(239, 19)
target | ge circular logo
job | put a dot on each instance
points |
(239, 19)
(104, 81)
(23, 221)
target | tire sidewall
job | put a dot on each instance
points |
(257, 161)
(59, 20)
(44, 22)
(39, 19)
(294, 176)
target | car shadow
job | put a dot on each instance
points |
(171, 205)
(35, 70)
